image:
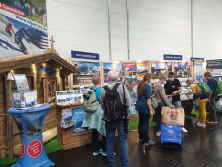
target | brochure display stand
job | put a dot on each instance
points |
(30, 124)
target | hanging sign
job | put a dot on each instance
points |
(47, 69)
(84, 55)
(10, 76)
(172, 57)
(128, 66)
(196, 58)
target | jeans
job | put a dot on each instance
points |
(159, 119)
(110, 136)
(143, 127)
(211, 108)
(177, 104)
(95, 141)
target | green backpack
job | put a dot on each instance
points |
(204, 88)
(219, 87)
(90, 102)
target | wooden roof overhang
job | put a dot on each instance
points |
(27, 60)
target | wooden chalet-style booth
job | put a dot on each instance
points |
(45, 74)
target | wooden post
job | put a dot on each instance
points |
(10, 123)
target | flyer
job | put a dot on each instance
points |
(21, 82)
(78, 117)
(29, 98)
(17, 99)
(67, 119)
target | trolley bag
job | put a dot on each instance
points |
(171, 135)
(172, 116)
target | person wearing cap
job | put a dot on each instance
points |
(212, 83)
(173, 87)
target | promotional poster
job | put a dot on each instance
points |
(88, 69)
(141, 67)
(29, 98)
(23, 28)
(78, 117)
(182, 70)
(129, 67)
(215, 68)
(160, 68)
(198, 72)
(21, 82)
(111, 66)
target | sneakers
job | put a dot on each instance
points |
(150, 143)
(158, 134)
(211, 122)
(184, 130)
(201, 124)
(98, 152)
(196, 122)
(140, 140)
(104, 153)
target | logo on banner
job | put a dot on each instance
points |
(11, 9)
(34, 148)
(22, 153)
(10, 76)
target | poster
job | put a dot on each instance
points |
(111, 66)
(23, 27)
(214, 64)
(160, 68)
(88, 69)
(131, 82)
(129, 67)
(78, 117)
(17, 99)
(183, 70)
(141, 67)
(29, 98)
(21, 82)
(198, 72)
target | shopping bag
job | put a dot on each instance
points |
(172, 116)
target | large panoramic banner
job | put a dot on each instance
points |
(23, 27)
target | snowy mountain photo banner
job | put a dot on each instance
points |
(23, 27)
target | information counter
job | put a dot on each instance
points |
(73, 136)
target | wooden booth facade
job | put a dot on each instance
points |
(45, 74)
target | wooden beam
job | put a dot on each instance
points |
(9, 103)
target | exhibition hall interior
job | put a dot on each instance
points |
(110, 83)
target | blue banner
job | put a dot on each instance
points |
(47, 69)
(196, 58)
(172, 57)
(78, 117)
(84, 55)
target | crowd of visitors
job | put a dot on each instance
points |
(114, 100)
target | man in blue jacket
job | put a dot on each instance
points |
(19, 35)
(212, 83)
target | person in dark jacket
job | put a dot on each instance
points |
(212, 83)
(144, 107)
(19, 36)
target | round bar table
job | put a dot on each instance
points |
(30, 124)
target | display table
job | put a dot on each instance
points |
(73, 136)
(30, 125)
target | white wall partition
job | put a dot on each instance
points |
(156, 27)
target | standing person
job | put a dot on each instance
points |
(160, 95)
(144, 107)
(173, 87)
(115, 115)
(212, 83)
(9, 28)
(94, 120)
(202, 101)
(19, 35)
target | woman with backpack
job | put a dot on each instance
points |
(144, 107)
(162, 101)
(94, 120)
(202, 98)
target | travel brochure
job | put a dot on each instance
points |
(67, 119)
(21, 82)
(24, 99)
